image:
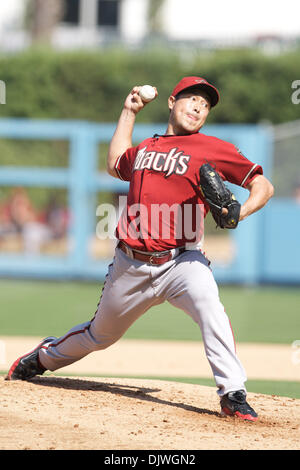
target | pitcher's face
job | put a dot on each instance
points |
(188, 112)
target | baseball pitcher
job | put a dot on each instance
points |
(175, 179)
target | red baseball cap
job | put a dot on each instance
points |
(199, 82)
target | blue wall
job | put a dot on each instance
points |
(267, 243)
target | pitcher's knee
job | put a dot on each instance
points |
(104, 344)
(103, 341)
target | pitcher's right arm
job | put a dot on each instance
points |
(122, 138)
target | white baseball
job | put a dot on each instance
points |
(147, 93)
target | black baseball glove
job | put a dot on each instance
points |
(218, 197)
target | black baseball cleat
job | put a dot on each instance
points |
(28, 365)
(235, 404)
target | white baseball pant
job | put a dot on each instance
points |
(131, 288)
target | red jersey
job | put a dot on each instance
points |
(165, 208)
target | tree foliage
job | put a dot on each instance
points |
(92, 85)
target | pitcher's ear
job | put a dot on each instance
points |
(171, 102)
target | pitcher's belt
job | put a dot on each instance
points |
(155, 258)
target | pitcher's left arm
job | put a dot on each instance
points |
(261, 190)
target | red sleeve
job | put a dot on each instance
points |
(124, 164)
(235, 167)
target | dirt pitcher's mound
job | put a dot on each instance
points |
(103, 413)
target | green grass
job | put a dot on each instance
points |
(39, 308)
(265, 315)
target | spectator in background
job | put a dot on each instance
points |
(26, 221)
(296, 193)
(57, 218)
(20, 208)
(7, 226)
(19, 217)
